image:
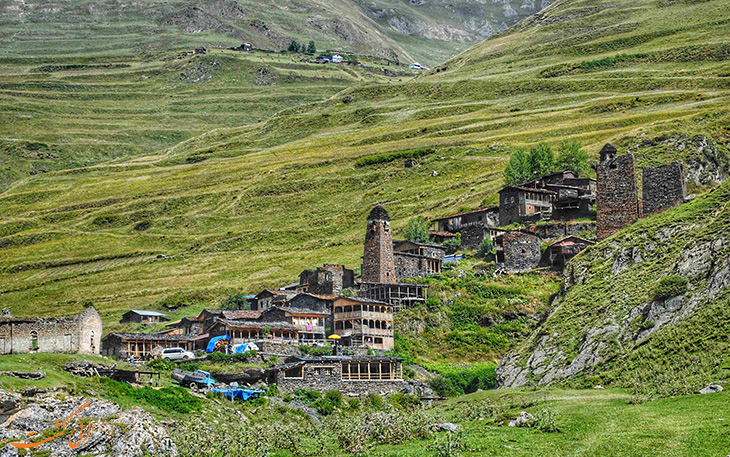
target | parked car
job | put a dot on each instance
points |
(176, 354)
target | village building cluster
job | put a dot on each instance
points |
(562, 198)
(329, 302)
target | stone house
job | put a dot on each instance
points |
(413, 260)
(144, 346)
(348, 374)
(518, 251)
(320, 303)
(488, 217)
(199, 325)
(520, 204)
(309, 323)
(557, 255)
(361, 321)
(268, 298)
(138, 316)
(244, 331)
(329, 279)
(79, 334)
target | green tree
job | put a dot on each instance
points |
(235, 301)
(418, 229)
(542, 160)
(518, 169)
(293, 46)
(486, 247)
(311, 49)
(453, 245)
(571, 156)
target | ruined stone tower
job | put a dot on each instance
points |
(378, 264)
(664, 188)
(617, 202)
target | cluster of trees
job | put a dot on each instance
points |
(296, 47)
(540, 160)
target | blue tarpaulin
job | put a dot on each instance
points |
(242, 394)
(211, 343)
(241, 348)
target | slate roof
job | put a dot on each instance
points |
(143, 312)
(464, 213)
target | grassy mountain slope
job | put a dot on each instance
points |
(264, 201)
(69, 112)
(609, 325)
(422, 30)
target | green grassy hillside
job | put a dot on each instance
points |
(616, 323)
(70, 112)
(247, 207)
(429, 32)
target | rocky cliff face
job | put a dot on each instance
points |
(129, 433)
(608, 324)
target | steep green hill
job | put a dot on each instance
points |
(617, 321)
(422, 30)
(248, 207)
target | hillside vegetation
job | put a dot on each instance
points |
(422, 30)
(619, 320)
(242, 208)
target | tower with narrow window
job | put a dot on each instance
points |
(378, 264)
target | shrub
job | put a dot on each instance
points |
(486, 247)
(443, 387)
(306, 396)
(172, 399)
(448, 444)
(373, 402)
(669, 287)
(418, 230)
(545, 420)
(453, 245)
(391, 156)
(236, 301)
(404, 401)
(221, 357)
(161, 364)
(323, 407)
(335, 398)
(311, 350)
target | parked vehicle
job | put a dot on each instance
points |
(176, 354)
(195, 380)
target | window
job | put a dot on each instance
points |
(327, 371)
(294, 373)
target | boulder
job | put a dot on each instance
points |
(711, 389)
(446, 427)
(9, 403)
(525, 419)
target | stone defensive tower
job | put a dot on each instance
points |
(378, 264)
(617, 202)
(664, 188)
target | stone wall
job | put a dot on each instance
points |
(554, 230)
(664, 188)
(521, 250)
(80, 334)
(409, 266)
(617, 203)
(509, 207)
(325, 376)
(472, 236)
(327, 280)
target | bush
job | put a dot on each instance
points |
(486, 247)
(418, 230)
(172, 399)
(670, 287)
(443, 387)
(323, 407)
(311, 350)
(306, 396)
(161, 364)
(235, 301)
(453, 245)
(458, 381)
(335, 398)
(373, 402)
(404, 401)
(221, 357)
(391, 156)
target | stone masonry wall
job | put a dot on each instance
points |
(664, 188)
(378, 264)
(472, 236)
(617, 203)
(325, 382)
(521, 251)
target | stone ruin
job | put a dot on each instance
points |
(617, 203)
(664, 188)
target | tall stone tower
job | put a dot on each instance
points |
(378, 264)
(617, 201)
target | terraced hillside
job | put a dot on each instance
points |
(423, 30)
(242, 208)
(67, 112)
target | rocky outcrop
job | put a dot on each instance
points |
(607, 309)
(106, 429)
